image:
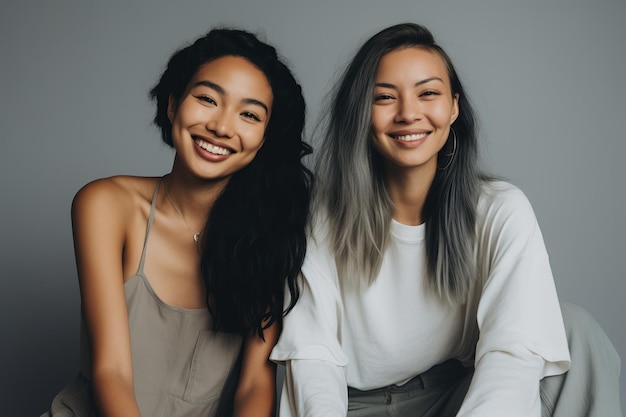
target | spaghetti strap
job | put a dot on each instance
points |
(148, 226)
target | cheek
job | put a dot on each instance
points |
(378, 143)
(188, 114)
(253, 137)
(379, 121)
(442, 114)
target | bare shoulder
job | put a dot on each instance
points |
(114, 193)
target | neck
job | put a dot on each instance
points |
(193, 198)
(408, 189)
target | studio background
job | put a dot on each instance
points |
(546, 77)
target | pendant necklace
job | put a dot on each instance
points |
(196, 236)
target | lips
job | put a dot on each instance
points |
(212, 148)
(409, 137)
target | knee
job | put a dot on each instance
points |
(577, 318)
(586, 336)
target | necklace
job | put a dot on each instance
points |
(196, 236)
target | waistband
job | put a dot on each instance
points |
(444, 373)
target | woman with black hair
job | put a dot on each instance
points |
(427, 289)
(182, 277)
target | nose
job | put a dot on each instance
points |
(221, 124)
(408, 109)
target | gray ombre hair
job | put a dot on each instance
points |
(352, 191)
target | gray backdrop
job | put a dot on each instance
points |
(547, 78)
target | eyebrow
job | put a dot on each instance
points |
(220, 90)
(424, 81)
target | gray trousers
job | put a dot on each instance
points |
(589, 389)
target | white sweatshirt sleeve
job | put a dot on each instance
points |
(504, 385)
(522, 336)
(309, 345)
(314, 388)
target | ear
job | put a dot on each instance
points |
(171, 108)
(455, 108)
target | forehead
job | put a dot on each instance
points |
(412, 64)
(236, 76)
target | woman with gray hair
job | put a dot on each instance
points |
(427, 289)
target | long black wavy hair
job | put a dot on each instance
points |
(254, 240)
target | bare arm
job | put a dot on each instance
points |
(256, 391)
(99, 211)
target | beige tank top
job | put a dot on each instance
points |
(180, 365)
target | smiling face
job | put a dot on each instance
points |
(219, 124)
(413, 108)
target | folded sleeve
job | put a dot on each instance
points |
(504, 384)
(522, 336)
(309, 345)
(312, 329)
(314, 388)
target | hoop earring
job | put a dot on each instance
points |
(452, 154)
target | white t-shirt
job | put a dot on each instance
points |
(510, 328)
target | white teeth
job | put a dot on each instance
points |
(218, 150)
(409, 138)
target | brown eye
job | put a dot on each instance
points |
(249, 115)
(429, 93)
(381, 97)
(206, 99)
